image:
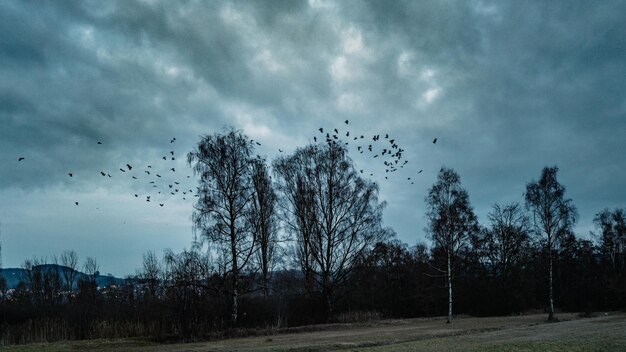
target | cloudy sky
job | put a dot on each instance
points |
(506, 87)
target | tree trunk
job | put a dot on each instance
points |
(235, 271)
(449, 289)
(551, 293)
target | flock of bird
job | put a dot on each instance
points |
(162, 180)
(382, 148)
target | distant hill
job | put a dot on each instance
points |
(14, 275)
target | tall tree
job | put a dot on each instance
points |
(263, 220)
(451, 221)
(553, 217)
(225, 193)
(335, 214)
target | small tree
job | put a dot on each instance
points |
(451, 220)
(69, 261)
(553, 217)
(225, 193)
(612, 226)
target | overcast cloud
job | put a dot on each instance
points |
(506, 87)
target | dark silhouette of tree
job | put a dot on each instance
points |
(69, 261)
(334, 213)
(612, 225)
(264, 223)
(553, 216)
(503, 247)
(151, 274)
(451, 221)
(225, 194)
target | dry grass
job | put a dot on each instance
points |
(523, 333)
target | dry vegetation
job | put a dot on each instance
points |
(523, 333)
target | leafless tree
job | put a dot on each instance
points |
(151, 273)
(263, 221)
(553, 217)
(91, 269)
(334, 214)
(451, 221)
(225, 194)
(69, 261)
(504, 242)
(612, 225)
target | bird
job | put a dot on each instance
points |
(20, 158)
(170, 186)
(280, 150)
(122, 170)
(99, 142)
(70, 174)
(172, 152)
(164, 158)
(173, 170)
(315, 139)
(161, 204)
(419, 172)
(348, 134)
(336, 131)
(150, 167)
(136, 195)
(434, 140)
(177, 183)
(109, 175)
(173, 158)
(148, 172)
(157, 175)
(257, 143)
(346, 122)
(321, 130)
(76, 203)
(102, 173)
(129, 167)
(134, 177)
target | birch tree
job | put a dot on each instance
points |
(553, 217)
(451, 221)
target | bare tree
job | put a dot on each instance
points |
(612, 226)
(553, 217)
(334, 213)
(451, 221)
(91, 269)
(262, 217)
(69, 261)
(151, 273)
(225, 194)
(504, 242)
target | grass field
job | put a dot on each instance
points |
(522, 333)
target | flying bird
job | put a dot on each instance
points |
(70, 174)
(20, 158)
(173, 170)
(76, 203)
(134, 177)
(102, 173)
(136, 195)
(336, 131)
(122, 170)
(161, 204)
(129, 167)
(157, 175)
(172, 152)
(346, 122)
(257, 143)
(148, 172)
(434, 140)
(99, 142)
(321, 130)
(419, 172)
(164, 158)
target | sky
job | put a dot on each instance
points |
(507, 88)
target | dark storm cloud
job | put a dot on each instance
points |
(507, 87)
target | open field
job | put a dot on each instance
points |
(523, 333)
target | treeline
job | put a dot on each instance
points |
(308, 246)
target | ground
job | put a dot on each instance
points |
(606, 332)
